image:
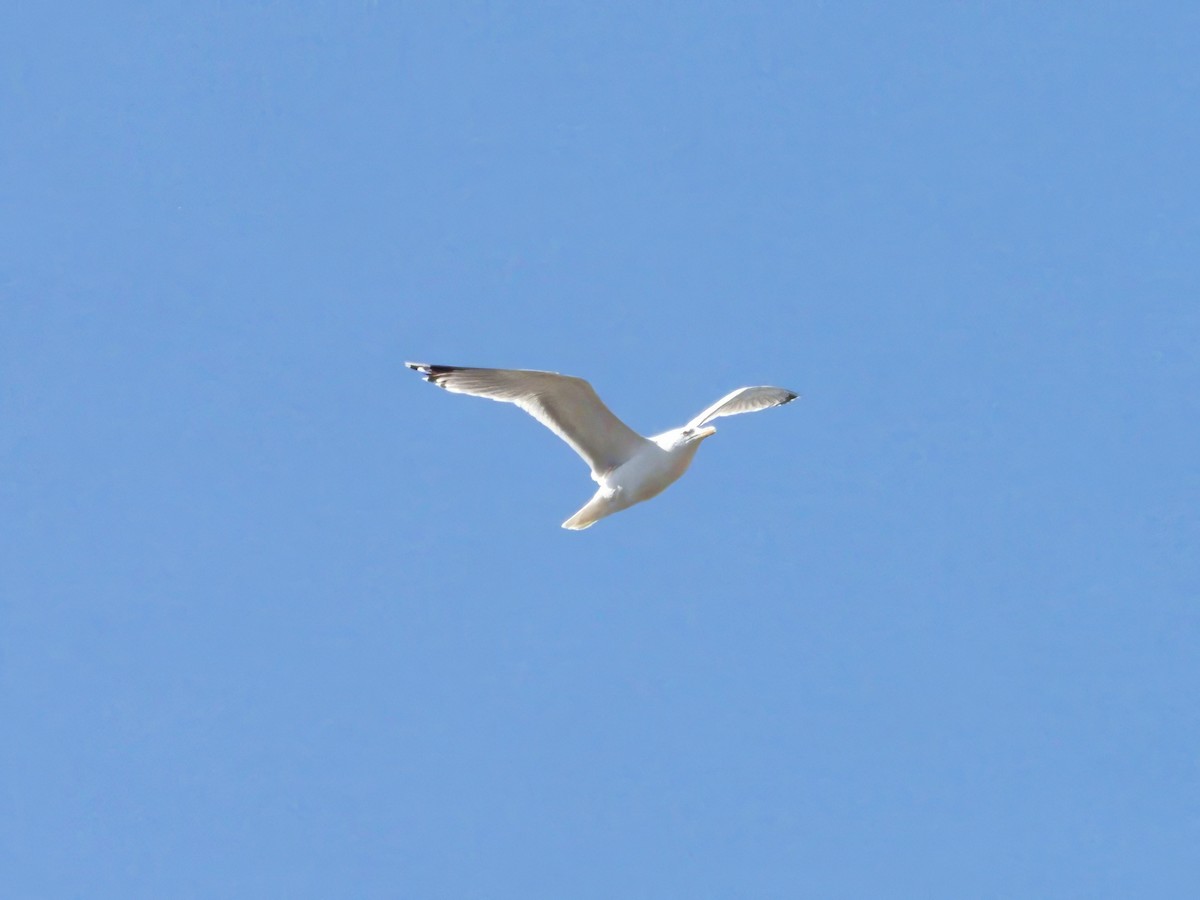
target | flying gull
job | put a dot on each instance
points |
(628, 467)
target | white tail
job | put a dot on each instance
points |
(593, 511)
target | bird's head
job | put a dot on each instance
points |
(696, 435)
(678, 438)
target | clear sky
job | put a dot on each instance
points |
(280, 620)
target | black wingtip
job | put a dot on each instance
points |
(432, 373)
(423, 368)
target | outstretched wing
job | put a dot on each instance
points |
(567, 406)
(744, 400)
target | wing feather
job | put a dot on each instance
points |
(568, 406)
(744, 400)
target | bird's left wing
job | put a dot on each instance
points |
(568, 406)
(744, 400)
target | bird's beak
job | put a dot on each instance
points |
(707, 431)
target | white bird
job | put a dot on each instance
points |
(628, 467)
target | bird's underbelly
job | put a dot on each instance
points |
(641, 479)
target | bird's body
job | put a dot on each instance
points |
(627, 467)
(644, 476)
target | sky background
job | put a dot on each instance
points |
(280, 620)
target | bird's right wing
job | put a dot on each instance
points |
(567, 406)
(744, 400)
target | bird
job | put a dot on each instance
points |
(627, 467)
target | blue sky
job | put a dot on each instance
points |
(278, 619)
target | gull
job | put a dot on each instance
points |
(627, 467)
